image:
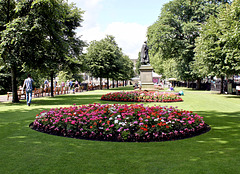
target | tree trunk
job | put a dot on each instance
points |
(117, 83)
(188, 84)
(113, 83)
(51, 84)
(107, 83)
(14, 84)
(199, 84)
(222, 79)
(101, 86)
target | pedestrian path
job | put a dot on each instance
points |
(3, 98)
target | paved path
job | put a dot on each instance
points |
(3, 98)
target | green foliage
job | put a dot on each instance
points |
(106, 60)
(5, 80)
(138, 63)
(125, 70)
(172, 36)
(40, 35)
(218, 44)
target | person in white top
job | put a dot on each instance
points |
(28, 83)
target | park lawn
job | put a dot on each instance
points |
(23, 150)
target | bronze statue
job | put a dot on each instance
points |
(144, 54)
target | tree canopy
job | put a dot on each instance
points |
(172, 37)
(217, 47)
(106, 60)
(39, 35)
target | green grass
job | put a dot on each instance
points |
(23, 150)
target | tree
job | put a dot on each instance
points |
(40, 35)
(218, 44)
(125, 69)
(102, 58)
(138, 63)
(172, 37)
(5, 80)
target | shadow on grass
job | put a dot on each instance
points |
(70, 100)
(122, 88)
(225, 125)
(233, 96)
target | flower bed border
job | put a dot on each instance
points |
(160, 127)
(135, 96)
(201, 131)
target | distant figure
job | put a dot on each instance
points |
(144, 54)
(140, 85)
(135, 86)
(70, 84)
(46, 84)
(28, 84)
(67, 83)
(63, 84)
(180, 93)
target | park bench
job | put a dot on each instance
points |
(97, 87)
(57, 90)
(37, 92)
(64, 90)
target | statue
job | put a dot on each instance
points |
(144, 54)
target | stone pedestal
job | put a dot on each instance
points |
(146, 77)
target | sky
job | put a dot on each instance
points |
(126, 20)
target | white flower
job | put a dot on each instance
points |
(43, 114)
(110, 118)
(115, 121)
(156, 119)
(127, 118)
(100, 127)
(119, 116)
(112, 109)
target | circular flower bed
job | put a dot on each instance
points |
(120, 122)
(142, 96)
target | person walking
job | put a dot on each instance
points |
(28, 83)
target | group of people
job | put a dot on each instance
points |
(69, 83)
(28, 85)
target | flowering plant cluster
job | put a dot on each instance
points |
(142, 96)
(120, 122)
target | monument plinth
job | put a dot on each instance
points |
(146, 77)
(146, 70)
